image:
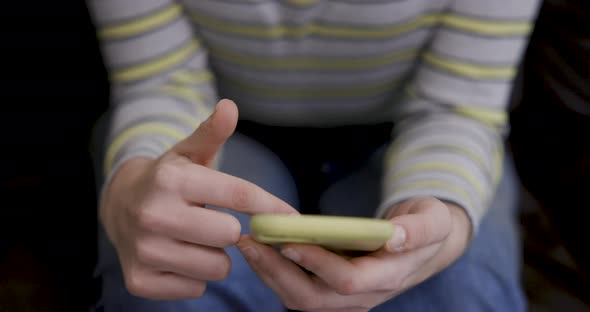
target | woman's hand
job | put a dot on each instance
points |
(428, 236)
(153, 211)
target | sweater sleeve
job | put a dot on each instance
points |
(161, 88)
(448, 138)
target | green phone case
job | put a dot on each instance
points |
(337, 233)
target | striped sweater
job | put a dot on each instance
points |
(441, 70)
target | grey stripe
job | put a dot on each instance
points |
(396, 196)
(492, 94)
(149, 32)
(423, 137)
(108, 12)
(148, 146)
(433, 69)
(462, 129)
(447, 157)
(497, 9)
(148, 56)
(463, 142)
(160, 119)
(435, 146)
(141, 49)
(423, 100)
(138, 109)
(450, 179)
(160, 99)
(474, 49)
(316, 46)
(162, 76)
(354, 15)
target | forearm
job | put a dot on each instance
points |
(449, 135)
(161, 86)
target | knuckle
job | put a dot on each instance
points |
(167, 176)
(348, 286)
(148, 220)
(135, 283)
(145, 253)
(243, 196)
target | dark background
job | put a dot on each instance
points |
(53, 87)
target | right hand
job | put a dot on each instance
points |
(169, 245)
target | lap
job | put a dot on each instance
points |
(485, 278)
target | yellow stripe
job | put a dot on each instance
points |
(395, 155)
(499, 163)
(356, 63)
(191, 95)
(487, 116)
(487, 27)
(270, 32)
(437, 166)
(302, 2)
(470, 70)
(156, 66)
(187, 77)
(311, 92)
(187, 93)
(491, 117)
(436, 185)
(143, 129)
(142, 24)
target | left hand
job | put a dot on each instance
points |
(428, 236)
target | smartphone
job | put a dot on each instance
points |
(332, 232)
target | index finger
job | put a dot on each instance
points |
(203, 185)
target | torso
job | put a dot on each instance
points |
(340, 61)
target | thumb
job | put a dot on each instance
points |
(426, 221)
(204, 143)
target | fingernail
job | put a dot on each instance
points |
(249, 253)
(291, 254)
(399, 238)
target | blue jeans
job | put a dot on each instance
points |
(485, 278)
